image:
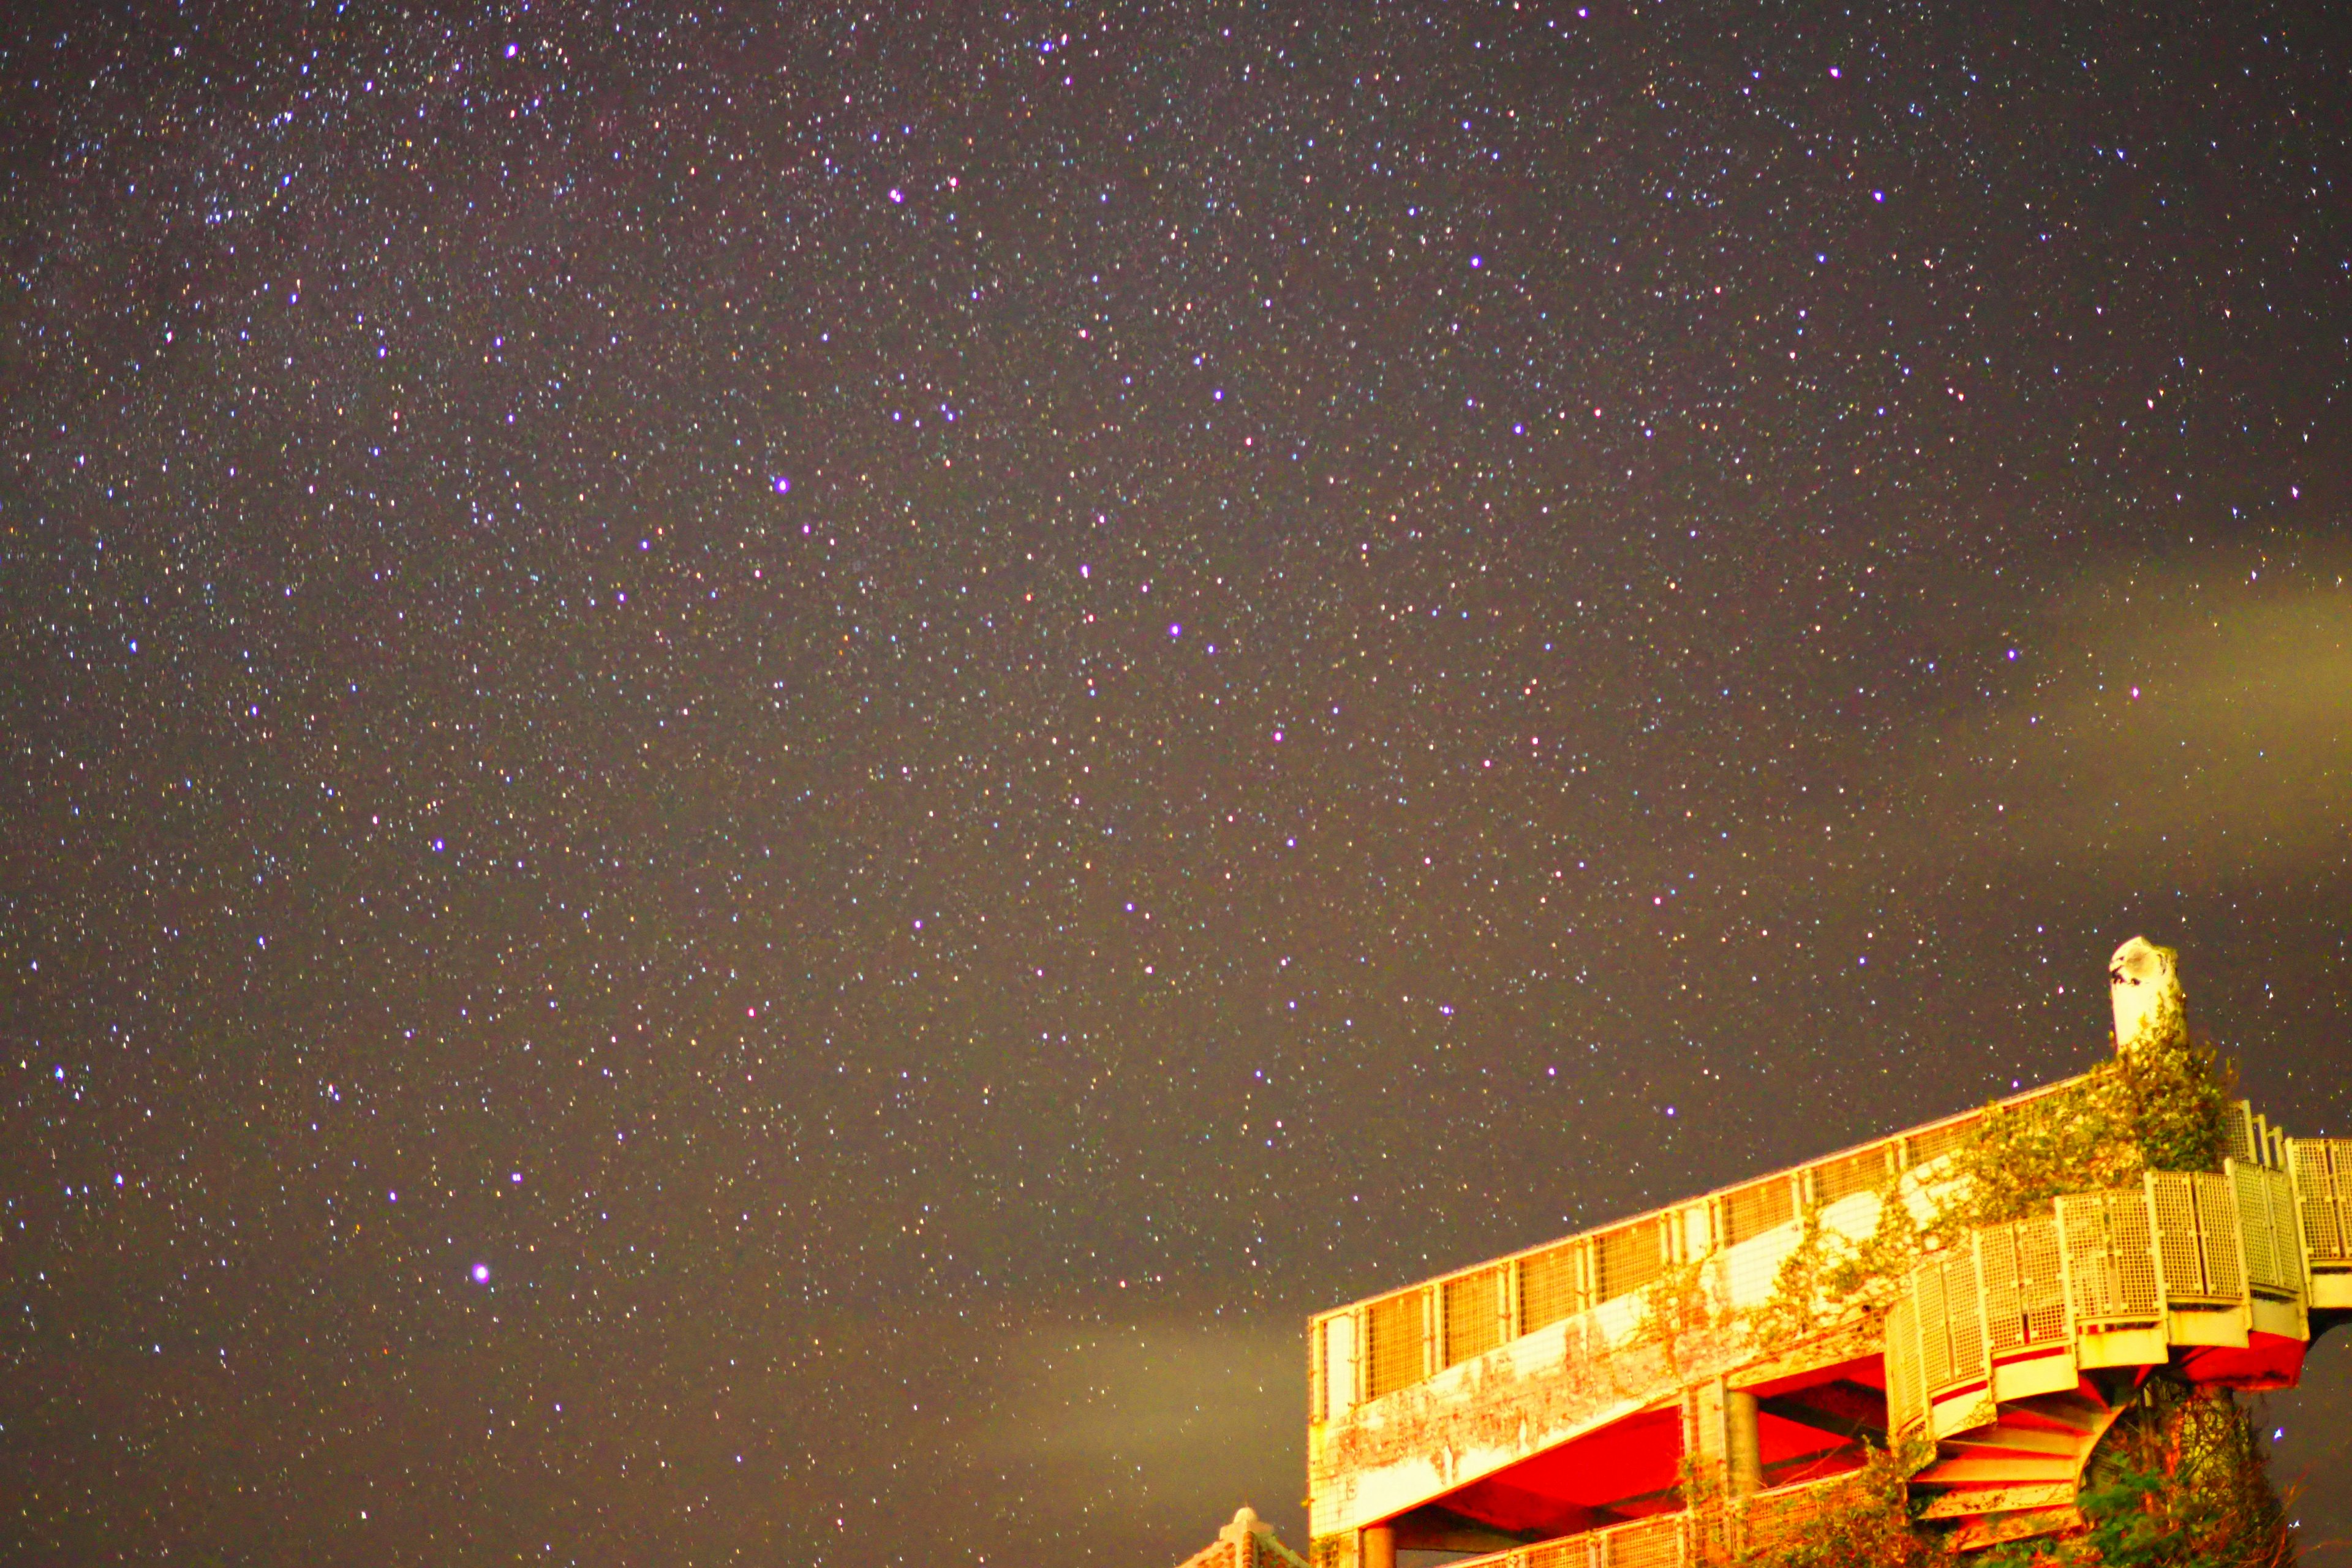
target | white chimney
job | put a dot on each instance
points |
(2144, 982)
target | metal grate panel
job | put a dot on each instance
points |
(1937, 1142)
(2004, 1299)
(1393, 1358)
(2041, 1279)
(2266, 1261)
(2177, 1240)
(1319, 1375)
(2242, 1133)
(2110, 1257)
(2217, 1231)
(1547, 1287)
(1964, 1301)
(2322, 1180)
(1757, 1207)
(1627, 1259)
(1934, 1333)
(1784, 1516)
(1850, 1174)
(1651, 1544)
(1343, 1374)
(2286, 1232)
(1905, 1407)
(1576, 1551)
(1473, 1315)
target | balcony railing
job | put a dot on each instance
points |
(1375, 1347)
(1763, 1519)
(1662, 1541)
(2112, 1278)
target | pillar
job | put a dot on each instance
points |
(1380, 1546)
(1743, 1443)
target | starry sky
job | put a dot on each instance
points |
(772, 769)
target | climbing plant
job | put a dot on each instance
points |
(2165, 1105)
(1866, 1520)
(2181, 1481)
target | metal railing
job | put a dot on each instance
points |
(1407, 1336)
(1762, 1519)
(2104, 1263)
(2322, 1170)
(1661, 1542)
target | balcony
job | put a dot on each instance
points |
(2007, 1348)
(1558, 1394)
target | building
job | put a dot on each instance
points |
(1685, 1384)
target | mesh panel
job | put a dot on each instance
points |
(1473, 1315)
(1319, 1377)
(1934, 1336)
(1755, 1209)
(1392, 1358)
(1750, 1270)
(2040, 1280)
(2286, 1234)
(2241, 1132)
(1783, 1518)
(2082, 1234)
(1627, 1259)
(1964, 1301)
(1548, 1288)
(2004, 1302)
(1937, 1142)
(1652, 1543)
(2263, 1270)
(1850, 1174)
(1343, 1378)
(2177, 1241)
(1904, 1406)
(2110, 1257)
(1576, 1551)
(2217, 1231)
(2135, 1245)
(2323, 1179)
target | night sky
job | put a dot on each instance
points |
(772, 770)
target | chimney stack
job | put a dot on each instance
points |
(2144, 982)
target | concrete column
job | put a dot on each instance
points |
(1743, 1443)
(1380, 1547)
(1703, 1442)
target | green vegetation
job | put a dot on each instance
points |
(1864, 1521)
(2180, 1482)
(2163, 1106)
